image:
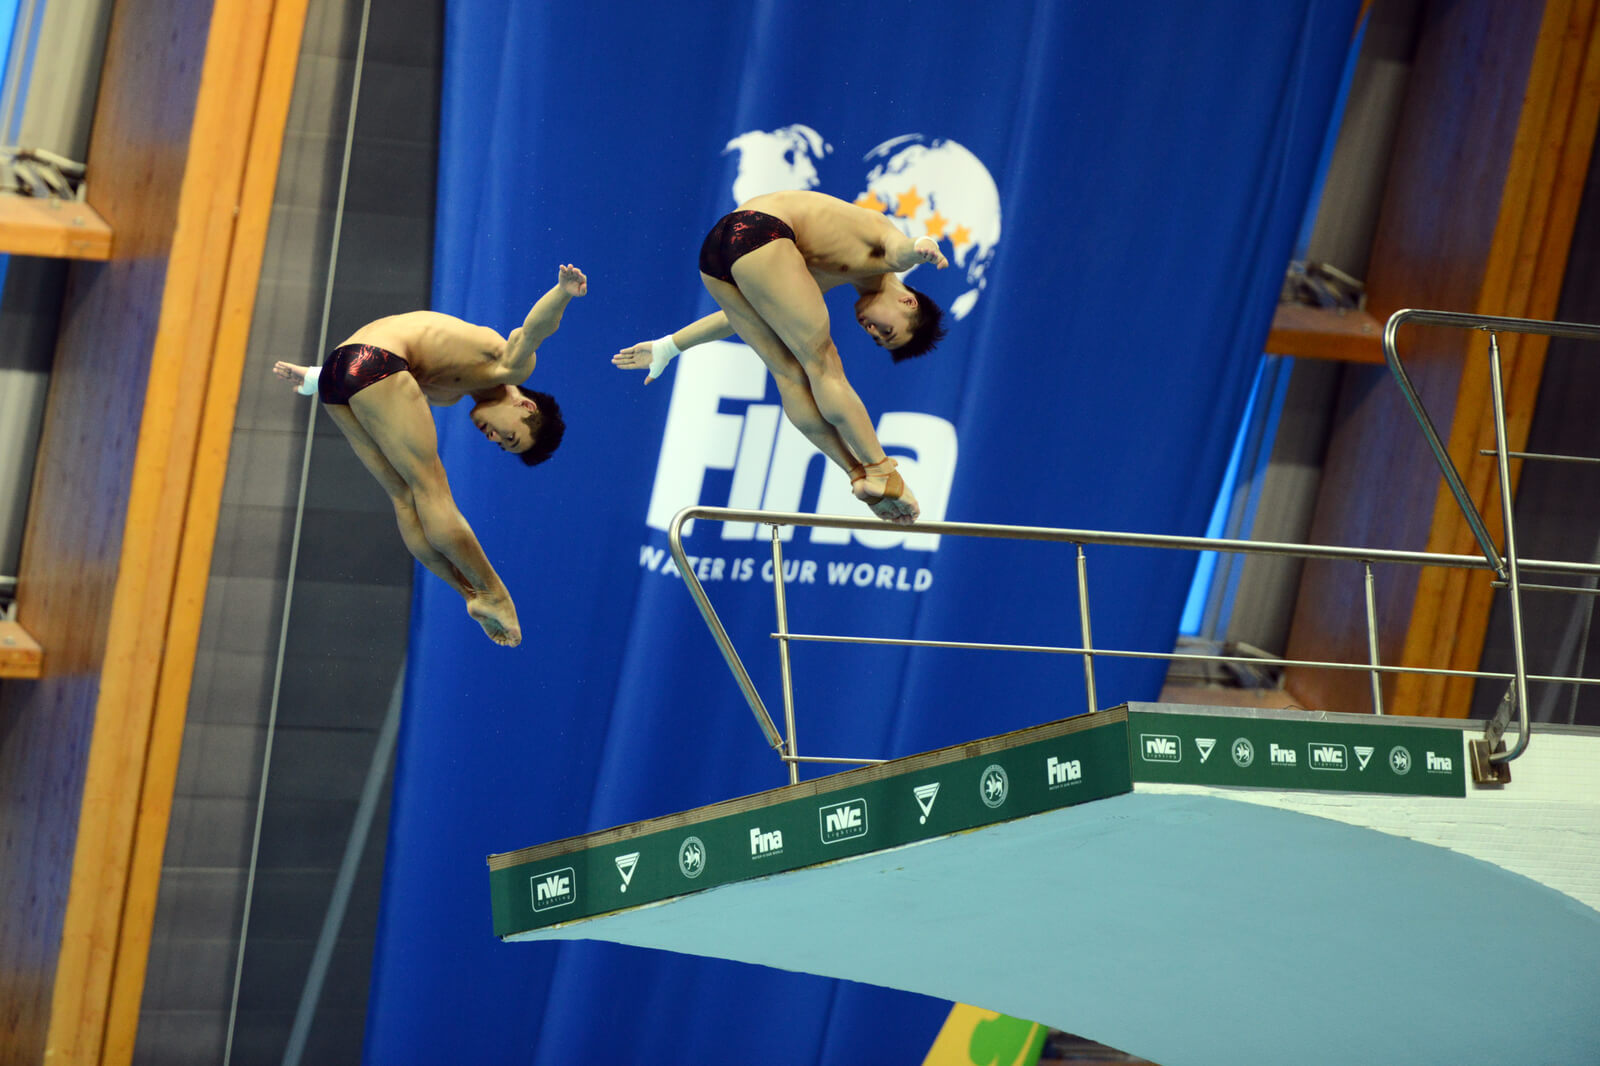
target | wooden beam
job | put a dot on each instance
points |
(1319, 333)
(20, 654)
(122, 519)
(220, 231)
(56, 229)
(267, 76)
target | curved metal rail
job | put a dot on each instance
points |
(1490, 324)
(1507, 566)
(786, 745)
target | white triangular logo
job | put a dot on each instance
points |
(1362, 755)
(625, 865)
(925, 796)
(1205, 744)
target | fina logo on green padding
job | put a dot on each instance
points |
(1327, 757)
(763, 843)
(1440, 764)
(843, 821)
(554, 888)
(1061, 772)
(1159, 747)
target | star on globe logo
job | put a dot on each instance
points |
(925, 186)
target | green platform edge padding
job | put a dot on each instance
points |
(1359, 753)
(903, 801)
(822, 820)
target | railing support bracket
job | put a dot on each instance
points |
(1486, 773)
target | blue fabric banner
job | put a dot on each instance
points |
(1117, 187)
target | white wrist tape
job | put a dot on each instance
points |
(308, 387)
(662, 352)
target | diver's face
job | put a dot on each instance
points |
(887, 317)
(504, 422)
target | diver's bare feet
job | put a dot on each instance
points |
(498, 617)
(880, 486)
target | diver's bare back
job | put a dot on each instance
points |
(449, 357)
(840, 241)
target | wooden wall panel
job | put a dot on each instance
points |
(55, 229)
(1477, 214)
(131, 465)
(1345, 336)
(259, 64)
(1539, 208)
(20, 654)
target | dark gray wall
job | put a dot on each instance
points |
(1352, 193)
(30, 312)
(344, 642)
(1262, 603)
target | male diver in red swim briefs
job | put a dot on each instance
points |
(767, 266)
(377, 386)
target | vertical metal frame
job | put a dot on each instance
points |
(1083, 623)
(792, 743)
(1372, 642)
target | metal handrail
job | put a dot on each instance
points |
(1488, 323)
(1079, 537)
(1506, 567)
(1592, 460)
(1181, 656)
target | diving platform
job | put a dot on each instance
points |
(1199, 886)
(1195, 885)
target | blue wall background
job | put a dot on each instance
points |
(1128, 180)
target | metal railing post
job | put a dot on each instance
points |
(1083, 623)
(1447, 466)
(740, 675)
(1513, 585)
(792, 743)
(1372, 644)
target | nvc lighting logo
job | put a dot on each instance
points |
(1160, 747)
(554, 888)
(844, 820)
